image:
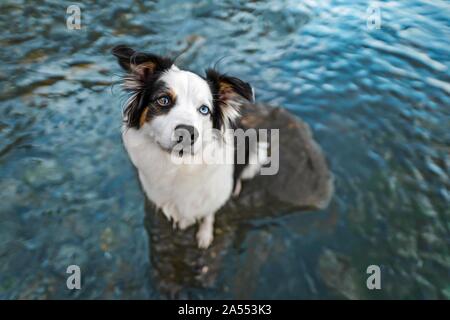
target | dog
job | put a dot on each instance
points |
(170, 112)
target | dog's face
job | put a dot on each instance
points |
(175, 106)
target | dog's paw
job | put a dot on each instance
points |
(204, 237)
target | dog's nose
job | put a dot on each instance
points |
(186, 133)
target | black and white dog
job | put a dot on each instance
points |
(164, 104)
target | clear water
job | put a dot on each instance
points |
(378, 102)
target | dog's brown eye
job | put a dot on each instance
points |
(163, 101)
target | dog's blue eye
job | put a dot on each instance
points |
(204, 110)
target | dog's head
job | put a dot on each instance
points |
(173, 105)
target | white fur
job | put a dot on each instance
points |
(186, 193)
(191, 92)
(256, 160)
(195, 191)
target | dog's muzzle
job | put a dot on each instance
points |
(186, 135)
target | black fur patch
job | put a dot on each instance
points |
(143, 71)
(150, 96)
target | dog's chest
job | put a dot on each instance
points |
(182, 191)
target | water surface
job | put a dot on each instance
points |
(378, 102)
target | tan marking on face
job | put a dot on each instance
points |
(173, 95)
(143, 117)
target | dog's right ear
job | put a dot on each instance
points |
(141, 64)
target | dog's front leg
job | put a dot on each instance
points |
(205, 234)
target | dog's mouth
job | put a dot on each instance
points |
(163, 148)
(178, 149)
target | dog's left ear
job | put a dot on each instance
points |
(229, 93)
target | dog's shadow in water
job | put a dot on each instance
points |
(303, 182)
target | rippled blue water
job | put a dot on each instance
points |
(378, 102)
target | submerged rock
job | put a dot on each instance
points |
(41, 172)
(303, 182)
(337, 273)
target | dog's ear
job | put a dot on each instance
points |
(140, 64)
(142, 71)
(229, 93)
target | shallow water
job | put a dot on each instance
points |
(378, 102)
